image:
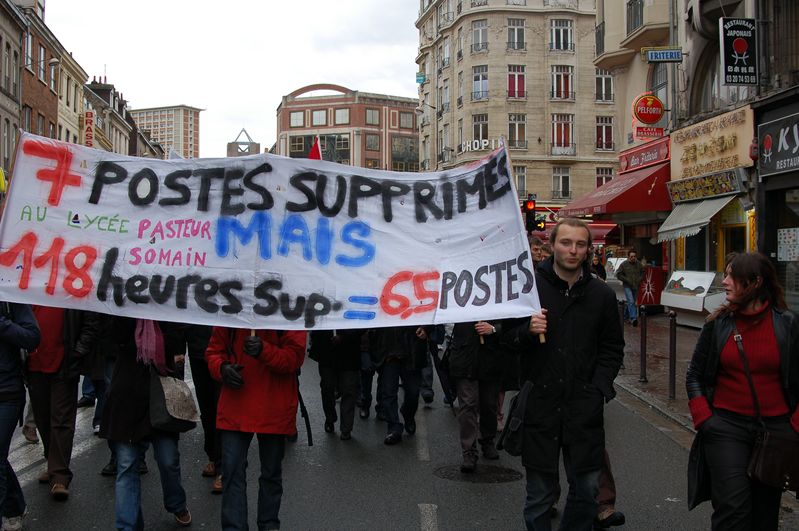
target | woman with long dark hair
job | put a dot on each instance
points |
(721, 401)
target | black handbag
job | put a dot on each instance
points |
(512, 435)
(172, 406)
(698, 474)
(775, 456)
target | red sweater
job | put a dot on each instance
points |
(48, 356)
(763, 354)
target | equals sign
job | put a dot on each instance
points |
(360, 314)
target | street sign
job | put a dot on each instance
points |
(420, 77)
(648, 109)
(662, 54)
(648, 132)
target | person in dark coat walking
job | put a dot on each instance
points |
(571, 375)
(143, 348)
(403, 352)
(476, 364)
(68, 338)
(18, 330)
(338, 353)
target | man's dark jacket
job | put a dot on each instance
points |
(82, 331)
(18, 329)
(572, 373)
(468, 358)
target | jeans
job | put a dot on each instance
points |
(581, 505)
(393, 370)
(87, 388)
(128, 485)
(12, 501)
(271, 448)
(631, 296)
(739, 503)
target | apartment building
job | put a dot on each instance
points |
(521, 71)
(358, 128)
(176, 128)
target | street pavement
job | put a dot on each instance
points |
(362, 484)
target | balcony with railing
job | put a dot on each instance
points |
(479, 3)
(561, 194)
(599, 35)
(563, 149)
(561, 95)
(479, 95)
(569, 4)
(517, 2)
(517, 95)
(445, 19)
(647, 24)
(561, 47)
(635, 15)
(604, 97)
(480, 47)
(517, 144)
(605, 145)
(518, 46)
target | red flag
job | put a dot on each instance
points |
(315, 153)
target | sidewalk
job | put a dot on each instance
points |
(655, 391)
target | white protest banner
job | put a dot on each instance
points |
(262, 241)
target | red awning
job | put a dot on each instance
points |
(638, 191)
(598, 231)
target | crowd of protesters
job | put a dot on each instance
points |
(247, 383)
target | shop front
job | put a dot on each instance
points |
(777, 201)
(637, 201)
(713, 213)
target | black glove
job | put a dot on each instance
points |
(253, 346)
(230, 375)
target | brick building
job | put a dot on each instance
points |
(358, 128)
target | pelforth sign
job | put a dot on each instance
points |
(738, 43)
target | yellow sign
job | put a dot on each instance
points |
(714, 145)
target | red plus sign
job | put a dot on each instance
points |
(59, 176)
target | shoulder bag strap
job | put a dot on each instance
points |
(739, 342)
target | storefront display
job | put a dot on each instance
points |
(777, 119)
(693, 295)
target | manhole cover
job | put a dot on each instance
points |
(484, 474)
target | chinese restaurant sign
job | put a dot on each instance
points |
(714, 185)
(263, 241)
(717, 144)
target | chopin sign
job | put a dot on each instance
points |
(738, 44)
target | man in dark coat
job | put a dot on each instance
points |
(476, 363)
(402, 350)
(68, 337)
(338, 353)
(571, 374)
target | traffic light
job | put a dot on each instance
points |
(529, 214)
(540, 224)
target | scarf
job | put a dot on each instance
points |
(150, 345)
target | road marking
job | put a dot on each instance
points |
(27, 459)
(427, 517)
(422, 448)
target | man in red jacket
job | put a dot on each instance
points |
(258, 371)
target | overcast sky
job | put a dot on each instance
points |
(236, 59)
